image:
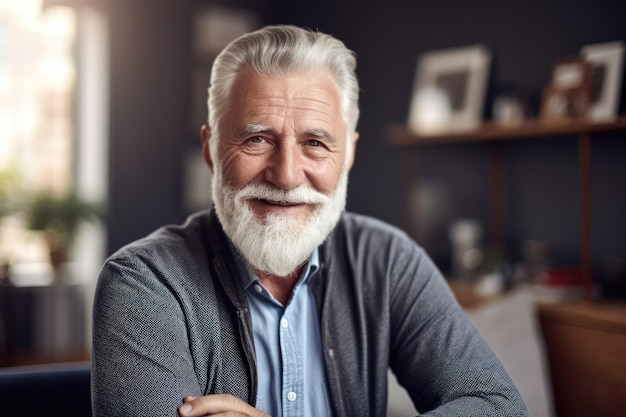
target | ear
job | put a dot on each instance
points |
(205, 136)
(352, 151)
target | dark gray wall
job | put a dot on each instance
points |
(150, 112)
(149, 107)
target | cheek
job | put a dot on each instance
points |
(326, 179)
(238, 170)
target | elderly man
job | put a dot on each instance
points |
(277, 301)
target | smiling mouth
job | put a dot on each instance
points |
(280, 202)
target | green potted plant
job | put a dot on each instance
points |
(59, 218)
(8, 192)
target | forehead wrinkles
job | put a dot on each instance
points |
(316, 101)
(317, 93)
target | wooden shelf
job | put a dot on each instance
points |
(489, 131)
(580, 129)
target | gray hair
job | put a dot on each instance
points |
(277, 51)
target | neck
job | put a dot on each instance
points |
(280, 287)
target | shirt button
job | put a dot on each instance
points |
(291, 396)
(258, 288)
(284, 324)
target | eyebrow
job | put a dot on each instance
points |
(253, 128)
(321, 133)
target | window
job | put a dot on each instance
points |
(37, 85)
(53, 141)
(45, 146)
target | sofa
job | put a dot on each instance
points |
(55, 389)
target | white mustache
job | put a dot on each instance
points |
(299, 195)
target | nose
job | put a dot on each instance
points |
(286, 168)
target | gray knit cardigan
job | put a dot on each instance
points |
(171, 319)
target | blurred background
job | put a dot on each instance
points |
(101, 103)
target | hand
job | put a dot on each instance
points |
(218, 405)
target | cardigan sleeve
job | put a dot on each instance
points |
(142, 364)
(436, 353)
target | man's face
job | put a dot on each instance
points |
(281, 172)
(286, 133)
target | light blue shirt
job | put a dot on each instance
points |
(288, 344)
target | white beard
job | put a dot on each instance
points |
(277, 244)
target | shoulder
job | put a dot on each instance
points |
(167, 253)
(364, 230)
(374, 248)
(370, 244)
(174, 240)
(356, 222)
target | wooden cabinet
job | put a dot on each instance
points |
(43, 324)
(585, 346)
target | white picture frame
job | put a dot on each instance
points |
(449, 90)
(607, 61)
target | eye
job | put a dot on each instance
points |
(257, 139)
(256, 144)
(315, 148)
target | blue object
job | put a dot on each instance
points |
(56, 389)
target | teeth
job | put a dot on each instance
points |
(281, 203)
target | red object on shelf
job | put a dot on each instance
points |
(562, 276)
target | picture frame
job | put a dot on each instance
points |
(570, 72)
(564, 104)
(568, 95)
(449, 90)
(606, 61)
